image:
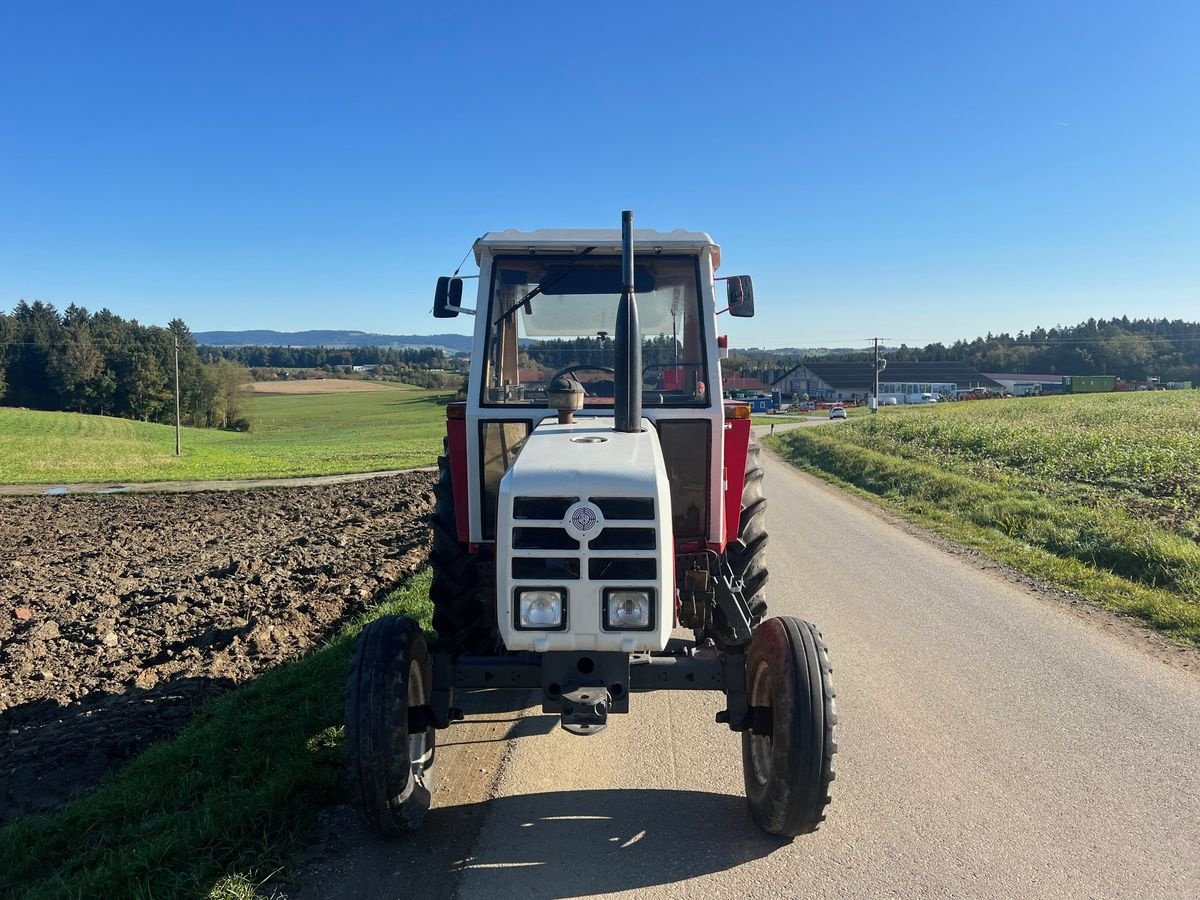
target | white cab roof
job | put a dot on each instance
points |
(565, 239)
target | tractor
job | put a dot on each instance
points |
(597, 502)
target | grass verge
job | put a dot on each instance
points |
(216, 811)
(1097, 552)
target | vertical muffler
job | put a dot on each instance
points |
(627, 405)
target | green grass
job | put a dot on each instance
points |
(1097, 494)
(217, 810)
(292, 435)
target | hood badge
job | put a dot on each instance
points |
(584, 520)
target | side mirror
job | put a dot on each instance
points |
(447, 299)
(739, 296)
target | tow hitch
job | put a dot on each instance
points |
(585, 710)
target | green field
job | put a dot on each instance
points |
(1099, 494)
(291, 435)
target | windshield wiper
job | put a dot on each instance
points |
(524, 301)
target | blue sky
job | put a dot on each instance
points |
(921, 171)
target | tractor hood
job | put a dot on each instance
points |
(586, 510)
(589, 453)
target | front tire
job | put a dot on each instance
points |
(389, 770)
(788, 771)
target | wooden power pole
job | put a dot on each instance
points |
(177, 395)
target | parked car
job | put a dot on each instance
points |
(838, 412)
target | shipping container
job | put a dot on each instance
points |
(1089, 384)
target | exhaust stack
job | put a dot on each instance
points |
(628, 381)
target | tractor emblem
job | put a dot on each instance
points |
(584, 518)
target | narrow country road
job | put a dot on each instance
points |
(992, 745)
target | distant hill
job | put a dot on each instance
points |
(331, 338)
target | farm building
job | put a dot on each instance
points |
(1024, 384)
(856, 381)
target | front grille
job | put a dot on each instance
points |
(543, 549)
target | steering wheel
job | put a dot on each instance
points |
(584, 367)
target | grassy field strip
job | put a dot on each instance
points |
(218, 809)
(1033, 484)
(322, 434)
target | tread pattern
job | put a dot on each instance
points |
(383, 785)
(804, 744)
(747, 556)
(463, 589)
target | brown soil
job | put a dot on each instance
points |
(121, 614)
(323, 386)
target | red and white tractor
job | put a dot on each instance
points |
(597, 496)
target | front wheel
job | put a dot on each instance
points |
(389, 768)
(787, 757)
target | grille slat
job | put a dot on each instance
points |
(621, 569)
(545, 568)
(624, 539)
(636, 508)
(546, 508)
(543, 539)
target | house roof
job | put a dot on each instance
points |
(742, 383)
(853, 376)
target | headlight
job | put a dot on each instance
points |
(628, 610)
(541, 609)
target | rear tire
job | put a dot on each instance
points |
(747, 556)
(788, 772)
(390, 771)
(463, 589)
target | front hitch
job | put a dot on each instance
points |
(585, 710)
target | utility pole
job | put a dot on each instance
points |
(876, 395)
(878, 364)
(177, 395)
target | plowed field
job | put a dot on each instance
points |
(121, 614)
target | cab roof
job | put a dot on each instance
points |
(561, 240)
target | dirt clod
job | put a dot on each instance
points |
(137, 608)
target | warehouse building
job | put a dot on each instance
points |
(1027, 384)
(849, 382)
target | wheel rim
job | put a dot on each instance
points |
(416, 697)
(760, 744)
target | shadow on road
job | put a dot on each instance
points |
(561, 844)
(573, 844)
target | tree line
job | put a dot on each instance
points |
(425, 367)
(102, 364)
(1132, 349)
(268, 357)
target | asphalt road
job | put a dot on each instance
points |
(992, 745)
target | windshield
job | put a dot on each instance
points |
(551, 316)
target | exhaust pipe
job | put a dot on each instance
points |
(627, 405)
